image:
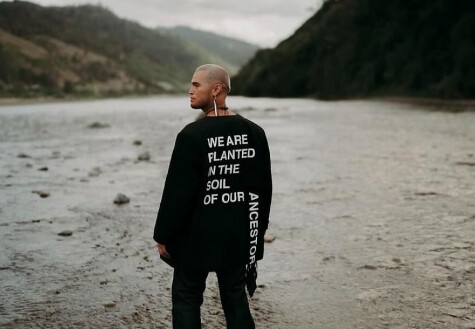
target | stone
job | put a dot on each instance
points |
(368, 267)
(98, 125)
(96, 171)
(121, 199)
(424, 193)
(42, 194)
(465, 163)
(269, 238)
(145, 156)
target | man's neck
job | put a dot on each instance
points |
(222, 109)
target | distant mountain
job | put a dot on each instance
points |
(87, 50)
(361, 48)
(229, 52)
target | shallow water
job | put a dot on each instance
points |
(372, 211)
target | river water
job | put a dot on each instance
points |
(373, 212)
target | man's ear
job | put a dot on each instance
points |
(217, 89)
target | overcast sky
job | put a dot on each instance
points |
(263, 22)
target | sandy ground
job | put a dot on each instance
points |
(373, 215)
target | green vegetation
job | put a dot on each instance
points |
(87, 51)
(229, 52)
(371, 48)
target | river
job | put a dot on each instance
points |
(373, 212)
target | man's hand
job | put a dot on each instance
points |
(162, 250)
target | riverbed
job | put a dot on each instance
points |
(373, 212)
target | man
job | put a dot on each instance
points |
(215, 205)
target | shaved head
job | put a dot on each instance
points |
(217, 74)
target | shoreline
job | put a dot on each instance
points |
(456, 105)
(9, 101)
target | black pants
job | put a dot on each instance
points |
(187, 297)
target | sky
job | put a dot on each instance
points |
(262, 22)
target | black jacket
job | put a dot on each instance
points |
(217, 195)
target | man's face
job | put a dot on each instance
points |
(200, 90)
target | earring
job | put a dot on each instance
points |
(215, 107)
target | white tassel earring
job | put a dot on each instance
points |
(215, 107)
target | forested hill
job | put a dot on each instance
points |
(230, 52)
(87, 50)
(366, 48)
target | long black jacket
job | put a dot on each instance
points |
(217, 195)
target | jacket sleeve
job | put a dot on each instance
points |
(267, 184)
(180, 190)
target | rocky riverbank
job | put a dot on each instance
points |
(373, 215)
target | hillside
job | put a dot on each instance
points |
(228, 52)
(367, 48)
(87, 50)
